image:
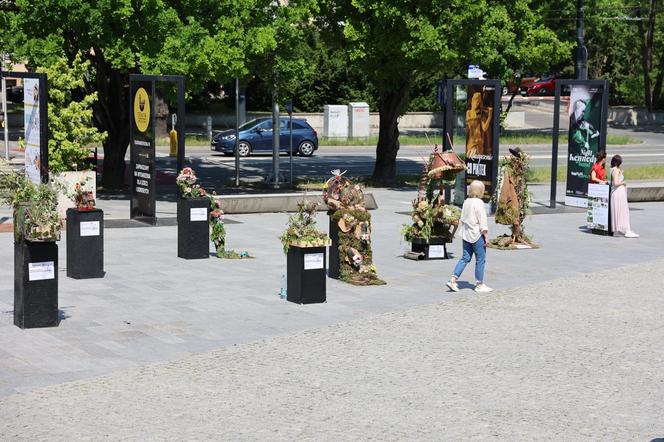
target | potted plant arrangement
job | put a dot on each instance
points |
(304, 246)
(193, 211)
(36, 230)
(434, 222)
(351, 258)
(72, 133)
(85, 236)
(512, 200)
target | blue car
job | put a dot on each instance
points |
(256, 137)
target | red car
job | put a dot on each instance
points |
(545, 86)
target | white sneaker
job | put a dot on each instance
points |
(631, 234)
(483, 288)
(452, 285)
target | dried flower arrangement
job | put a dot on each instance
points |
(512, 200)
(432, 218)
(346, 207)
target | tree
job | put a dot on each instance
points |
(201, 39)
(396, 42)
(71, 131)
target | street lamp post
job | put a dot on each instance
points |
(581, 52)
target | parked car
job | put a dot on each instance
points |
(256, 137)
(524, 83)
(544, 86)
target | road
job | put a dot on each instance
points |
(359, 160)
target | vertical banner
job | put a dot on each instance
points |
(584, 139)
(480, 155)
(142, 137)
(32, 125)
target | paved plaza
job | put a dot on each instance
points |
(568, 347)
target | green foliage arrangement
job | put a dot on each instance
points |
(71, 129)
(35, 208)
(301, 230)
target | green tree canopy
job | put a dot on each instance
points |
(396, 42)
(201, 39)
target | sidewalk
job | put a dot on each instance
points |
(153, 307)
(578, 358)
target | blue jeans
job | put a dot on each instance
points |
(480, 258)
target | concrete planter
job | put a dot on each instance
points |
(35, 284)
(85, 243)
(435, 248)
(306, 275)
(193, 228)
(64, 184)
(333, 269)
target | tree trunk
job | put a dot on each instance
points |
(112, 115)
(390, 108)
(657, 92)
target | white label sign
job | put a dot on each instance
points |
(437, 251)
(314, 261)
(38, 271)
(198, 214)
(90, 228)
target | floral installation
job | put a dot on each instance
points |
(432, 218)
(301, 230)
(84, 199)
(346, 207)
(512, 200)
(187, 183)
(35, 207)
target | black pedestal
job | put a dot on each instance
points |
(85, 243)
(435, 248)
(306, 274)
(333, 266)
(35, 284)
(193, 228)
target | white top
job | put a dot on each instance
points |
(473, 220)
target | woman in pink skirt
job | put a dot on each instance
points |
(619, 207)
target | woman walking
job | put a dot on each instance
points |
(474, 232)
(619, 206)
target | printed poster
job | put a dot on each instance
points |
(31, 123)
(585, 123)
(479, 137)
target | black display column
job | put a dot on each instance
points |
(85, 243)
(333, 267)
(435, 248)
(306, 275)
(193, 228)
(35, 284)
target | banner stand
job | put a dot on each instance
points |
(142, 135)
(35, 108)
(587, 136)
(482, 127)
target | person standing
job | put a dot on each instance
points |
(474, 232)
(597, 172)
(619, 206)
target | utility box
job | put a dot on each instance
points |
(335, 121)
(359, 120)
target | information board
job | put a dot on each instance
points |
(142, 139)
